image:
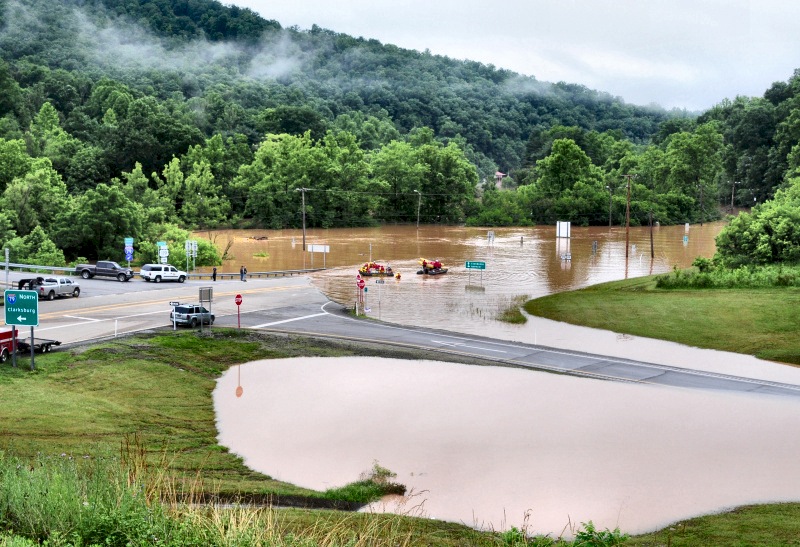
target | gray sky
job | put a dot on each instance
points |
(676, 53)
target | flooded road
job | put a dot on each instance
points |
(520, 263)
(487, 445)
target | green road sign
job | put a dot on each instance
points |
(475, 265)
(22, 308)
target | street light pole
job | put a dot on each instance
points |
(419, 204)
(303, 192)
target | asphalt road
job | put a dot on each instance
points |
(108, 308)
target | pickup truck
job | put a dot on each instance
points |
(50, 287)
(104, 268)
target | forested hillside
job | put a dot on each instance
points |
(188, 113)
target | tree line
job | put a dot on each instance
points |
(171, 116)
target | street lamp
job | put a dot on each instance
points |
(419, 203)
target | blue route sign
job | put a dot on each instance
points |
(22, 308)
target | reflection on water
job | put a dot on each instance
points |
(485, 445)
(519, 262)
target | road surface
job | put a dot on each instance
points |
(108, 308)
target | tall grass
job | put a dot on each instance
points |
(707, 275)
(132, 500)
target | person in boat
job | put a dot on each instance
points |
(424, 265)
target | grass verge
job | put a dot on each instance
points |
(760, 322)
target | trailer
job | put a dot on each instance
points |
(40, 345)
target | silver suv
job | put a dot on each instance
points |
(162, 272)
(191, 314)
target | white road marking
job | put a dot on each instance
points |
(455, 344)
(287, 321)
(83, 318)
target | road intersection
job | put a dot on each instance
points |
(107, 309)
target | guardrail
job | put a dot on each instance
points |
(69, 270)
(276, 273)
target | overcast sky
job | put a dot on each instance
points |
(676, 53)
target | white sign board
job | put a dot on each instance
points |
(563, 228)
(318, 248)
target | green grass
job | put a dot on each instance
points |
(763, 525)
(85, 401)
(142, 405)
(760, 322)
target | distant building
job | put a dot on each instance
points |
(498, 179)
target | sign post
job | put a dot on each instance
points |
(475, 266)
(174, 320)
(238, 301)
(360, 284)
(22, 309)
(128, 250)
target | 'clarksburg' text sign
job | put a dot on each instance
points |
(22, 308)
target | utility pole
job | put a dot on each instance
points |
(733, 190)
(628, 216)
(303, 192)
(702, 208)
(419, 204)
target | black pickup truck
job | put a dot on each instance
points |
(104, 268)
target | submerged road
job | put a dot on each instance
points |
(331, 320)
(293, 305)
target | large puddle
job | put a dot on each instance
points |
(487, 445)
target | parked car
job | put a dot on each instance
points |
(162, 272)
(191, 314)
(50, 287)
(104, 268)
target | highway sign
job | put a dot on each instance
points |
(22, 308)
(238, 299)
(475, 265)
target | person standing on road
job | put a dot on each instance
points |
(243, 273)
(214, 273)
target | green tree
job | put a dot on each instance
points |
(14, 161)
(101, 218)
(35, 198)
(203, 206)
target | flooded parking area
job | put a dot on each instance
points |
(487, 445)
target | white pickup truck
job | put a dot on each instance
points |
(50, 287)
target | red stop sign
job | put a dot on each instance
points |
(360, 283)
(238, 299)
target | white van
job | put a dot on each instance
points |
(162, 272)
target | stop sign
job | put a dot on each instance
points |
(238, 299)
(360, 283)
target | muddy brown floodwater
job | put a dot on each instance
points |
(520, 262)
(487, 446)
